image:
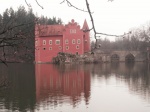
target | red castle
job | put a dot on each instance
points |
(52, 39)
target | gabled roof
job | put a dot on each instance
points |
(50, 30)
(85, 26)
(55, 30)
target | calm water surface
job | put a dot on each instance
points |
(75, 88)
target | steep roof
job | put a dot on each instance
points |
(85, 26)
(50, 30)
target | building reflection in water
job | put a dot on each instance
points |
(56, 84)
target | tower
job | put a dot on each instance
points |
(86, 36)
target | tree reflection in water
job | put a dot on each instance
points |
(135, 75)
(20, 92)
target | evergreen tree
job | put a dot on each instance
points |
(17, 33)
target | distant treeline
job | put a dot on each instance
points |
(138, 39)
(17, 33)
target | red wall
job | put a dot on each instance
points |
(70, 36)
(46, 55)
(86, 39)
(59, 32)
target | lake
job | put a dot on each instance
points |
(117, 87)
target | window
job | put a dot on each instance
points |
(36, 43)
(50, 42)
(78, 41)
(60, 47)
(67, 47)
(44, 42)
(44, 48)
(66, 41)
(57, 42)
(73, 41)
(77, 47)
(50, 48)
(72, 30)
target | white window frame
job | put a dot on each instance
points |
(67, 47)
(50, 48)
(44, 42)
(57, 41)
(66, 41)
(50, 42)
(73, 41)
(78, 41)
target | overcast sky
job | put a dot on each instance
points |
(114, 17)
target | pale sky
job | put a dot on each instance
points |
(114, 17)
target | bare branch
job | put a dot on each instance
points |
(36, 2)
(4, 31)
(109, 34)
(62, 1)
(93, 25)
(87, 30)
(4, 62)
(27, 4)
(39, 4)
(70, 5)
(4, 55)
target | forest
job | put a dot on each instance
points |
(17, 33)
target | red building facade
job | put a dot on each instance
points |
(69, 38)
